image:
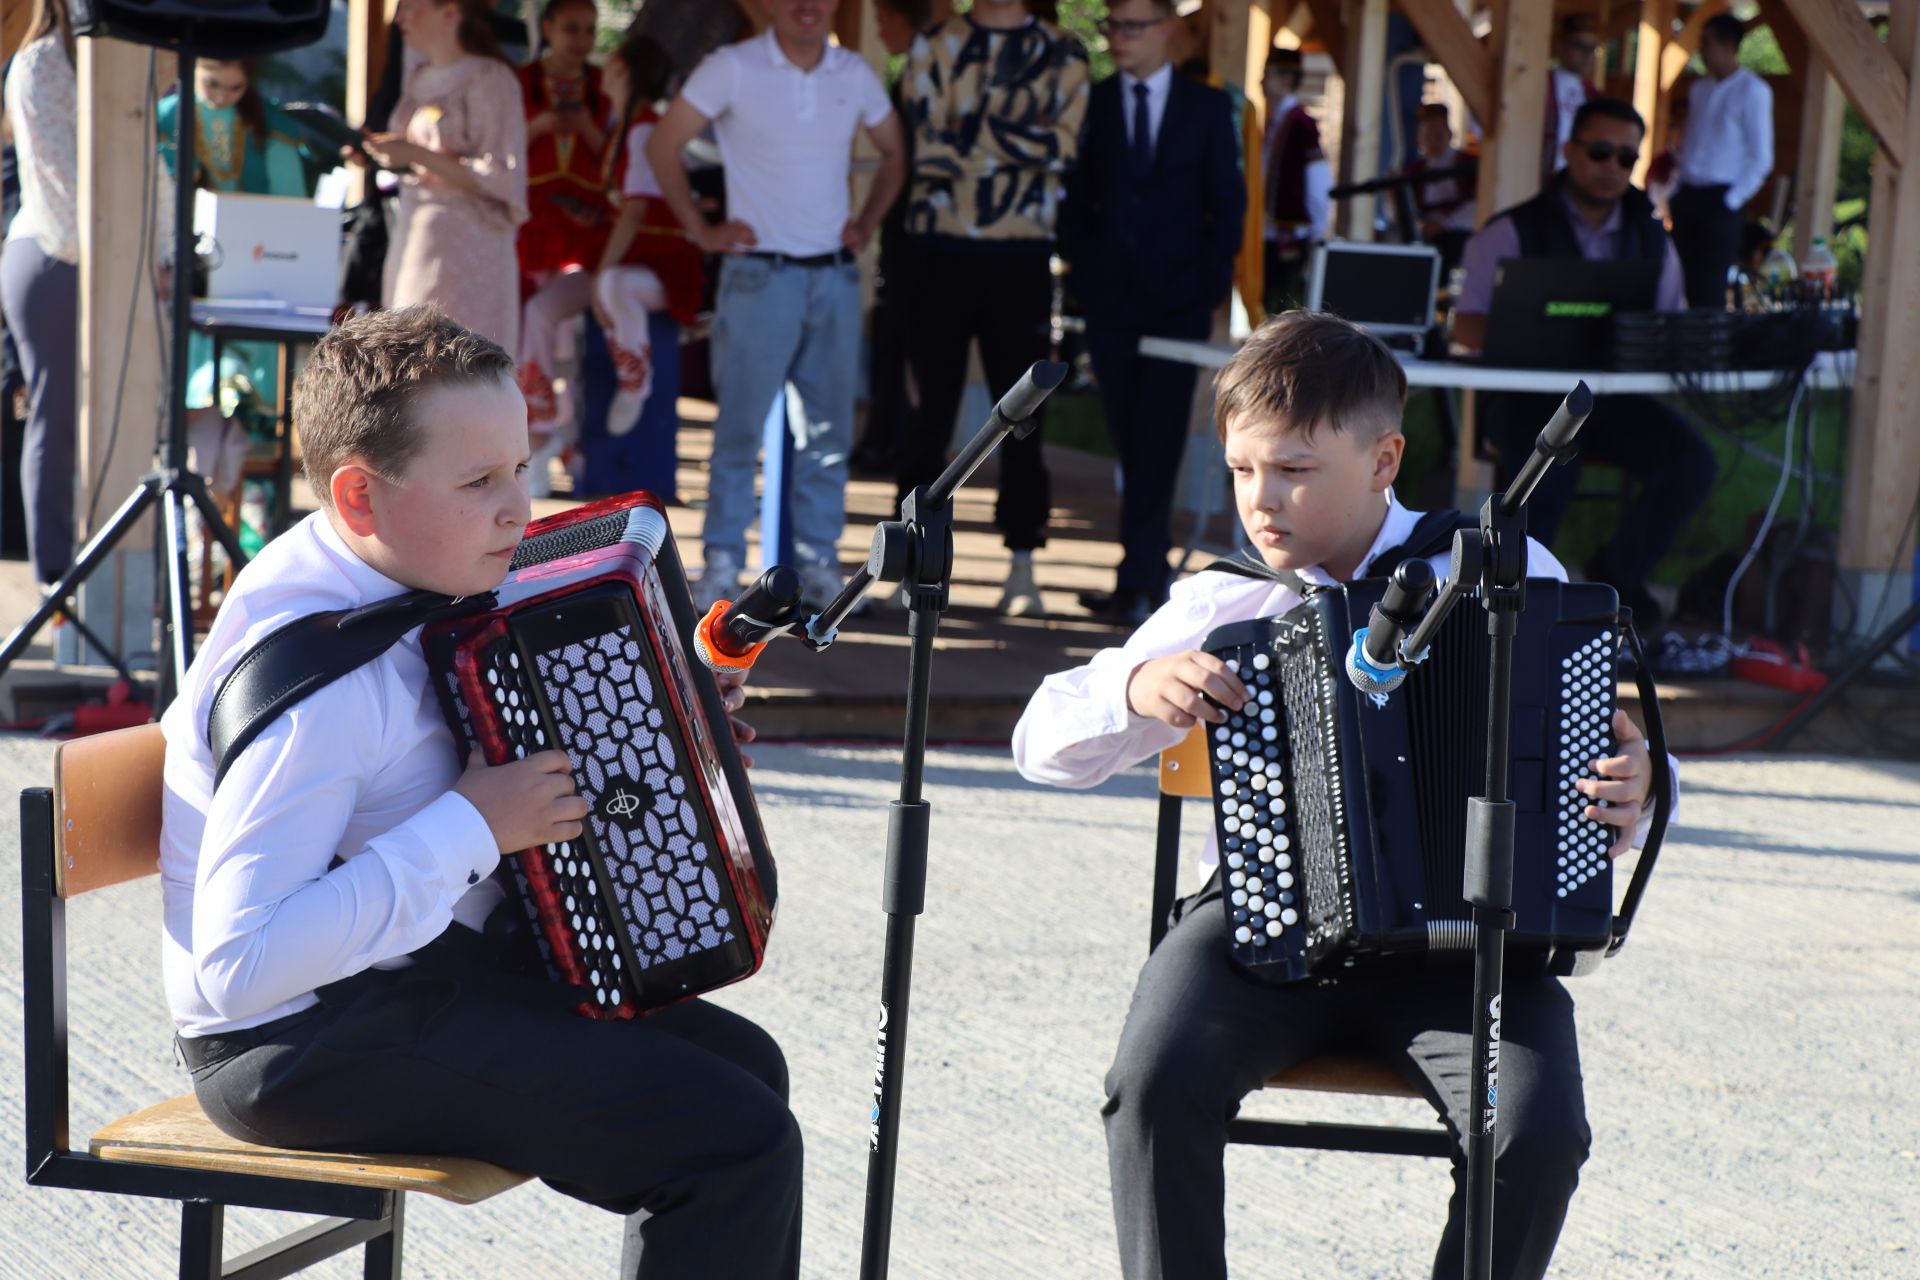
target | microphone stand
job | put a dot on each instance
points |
(1494, 558)
(917, 552)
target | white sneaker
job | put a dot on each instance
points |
(1021, 599)
(820, 583)
(720, 580)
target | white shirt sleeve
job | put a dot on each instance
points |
(273, 917)
(1078, 731)
(1753, 122)
(710, 89)
(874, 104)
(638, 180)
(1319, 182)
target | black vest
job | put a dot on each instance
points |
(1545, 231)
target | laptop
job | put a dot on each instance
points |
(1386, 289)
(1557, 313)
(268, 249)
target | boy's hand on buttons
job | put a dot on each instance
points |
(526, 802)
(1185, 688)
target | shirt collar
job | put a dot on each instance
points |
(369, 584)
(779, 61)
(1393, 531)
(1156, 83)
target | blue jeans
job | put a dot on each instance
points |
(785, 330)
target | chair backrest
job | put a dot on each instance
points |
(106, 809)
(1183, 773)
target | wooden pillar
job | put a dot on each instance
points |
(119, 347)
(1510, 154)
(1883, 449)
(1817, 171)
(367, 23)
(1649, 91)
(1365, 74)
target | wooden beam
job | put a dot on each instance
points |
(1328, 29)
(1451, 43)
(1510, 153)
(1365, 75)
(367, 22)
(121, 226)
(1649, 96)
(1874, 82)
(1680, 50)
(1816, 183)
(1883, 463)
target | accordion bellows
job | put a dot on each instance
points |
(1341, 817)
(670, 889)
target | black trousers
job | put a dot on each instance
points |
(1147, 402)
(1200, 1037)
(1003, 301)
(1640, 435)
(678, 1119)
(1706, 235)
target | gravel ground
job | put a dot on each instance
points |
(1749, 1057)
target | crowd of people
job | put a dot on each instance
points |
(532, 194)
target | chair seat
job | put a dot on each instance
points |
(1339, 1074)
(178, 1134)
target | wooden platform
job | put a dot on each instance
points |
(986, 666)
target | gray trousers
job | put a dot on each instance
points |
(41, 296)
(1200, 1037)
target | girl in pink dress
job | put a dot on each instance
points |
(461, 144)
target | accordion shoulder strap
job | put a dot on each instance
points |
(308, 654)
(1431, 535)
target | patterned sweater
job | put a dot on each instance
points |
(996, 118)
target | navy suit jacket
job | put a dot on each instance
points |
(1152, 251)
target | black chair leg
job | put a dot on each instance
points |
(202, 1228)
(383, 1251)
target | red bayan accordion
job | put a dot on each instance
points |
(670, 889)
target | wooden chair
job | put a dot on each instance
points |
(1183, 773)
(98, 826)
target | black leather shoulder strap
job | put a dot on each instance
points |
(307, 655)
(1431, 535)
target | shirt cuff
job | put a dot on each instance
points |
(1107, 691)
(459, 840)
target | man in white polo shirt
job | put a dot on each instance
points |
(784, 107)
(1726, 158)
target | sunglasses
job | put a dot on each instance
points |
(1601, 152)
(1122, 27)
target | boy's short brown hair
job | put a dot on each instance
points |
(1303, 370)
(355, 398)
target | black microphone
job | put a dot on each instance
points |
(1373, 660)
(1025, 396)
(1554, 444)
(764, 610)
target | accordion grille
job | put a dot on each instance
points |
(1446, 699)
(572, 540)
(1313, 761)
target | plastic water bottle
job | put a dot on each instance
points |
(1820, 272)
(1778, 267)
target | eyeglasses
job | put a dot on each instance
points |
(1130, 29)
(1601, 152)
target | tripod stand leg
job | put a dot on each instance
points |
(91, 557)
(93, 639)
(179, 588)
(211, 517)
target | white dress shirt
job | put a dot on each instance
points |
(1078, 730)
(257, 914)
(786, 137)
(1569, 95)
(1729, 138)
(1159, 85)
(41, 100)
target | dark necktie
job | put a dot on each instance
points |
(1142, 131)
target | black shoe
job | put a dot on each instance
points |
(1098, 602)
(1647, 613)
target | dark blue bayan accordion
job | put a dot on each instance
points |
(1342, 817)
(670, 889)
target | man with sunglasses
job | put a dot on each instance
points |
(1591, 209)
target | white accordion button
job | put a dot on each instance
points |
(1261, 662)
(1237, 879)
(1273, 927)
(1286, 879)
(1243, 934)
(1289, 916)
(1239, 897)
(1273, 910)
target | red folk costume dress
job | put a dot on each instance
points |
(553, 239)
